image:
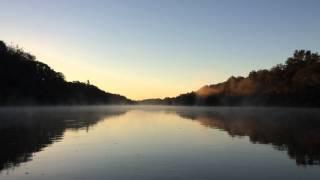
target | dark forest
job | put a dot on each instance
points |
(26, 81)
(295, 83)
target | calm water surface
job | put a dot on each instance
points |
(136, 142)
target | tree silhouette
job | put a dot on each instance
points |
(26, 81)
(295, 83)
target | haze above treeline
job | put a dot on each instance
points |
(26, 81)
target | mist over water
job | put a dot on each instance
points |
(159, 142)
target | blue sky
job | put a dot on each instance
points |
(158, 48)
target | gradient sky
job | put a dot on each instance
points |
(158, 48)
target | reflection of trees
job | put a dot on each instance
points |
(295, 131)
(23, 133)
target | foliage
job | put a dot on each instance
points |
(295, 83)
(26, 81)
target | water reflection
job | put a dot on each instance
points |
(296, 131)
(29, 130)
(23, 132)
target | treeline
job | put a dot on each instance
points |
(26, 81)
(295, 83)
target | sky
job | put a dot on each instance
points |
(159, 48)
